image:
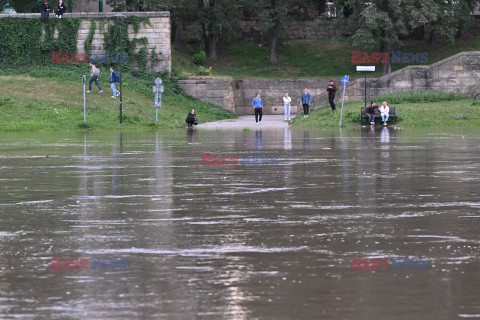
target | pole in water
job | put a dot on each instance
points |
(365, 97)
(344, 81)
(158, 90)
(84, 80)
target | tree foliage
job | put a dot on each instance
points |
(381, 24)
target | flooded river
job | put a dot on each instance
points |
(266, 224)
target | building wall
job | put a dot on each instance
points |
(459, 73)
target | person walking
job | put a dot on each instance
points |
(94, 73)
(61, 9)
(384, 110)
(114, 80)
(305, 100)
(332, 89)
(286, 106)
(45, 13)
(257, 104)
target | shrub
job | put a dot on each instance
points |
(204, 71)
(200, 58)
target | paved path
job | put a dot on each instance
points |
(268, 122)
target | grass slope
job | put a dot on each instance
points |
(305, 58)
(51, 98)
(410, 114)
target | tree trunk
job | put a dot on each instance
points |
(418, 33)
(321, 6)
(212, 47)
(386, 67)
(273, 48)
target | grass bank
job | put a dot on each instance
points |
(306, 58)
(51, 98)
(414, 109)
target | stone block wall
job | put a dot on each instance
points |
(157, 31)
(237, 94)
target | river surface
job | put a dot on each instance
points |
(268, 231)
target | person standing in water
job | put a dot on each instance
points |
(257, 104)
(305, 100)
(286, 106)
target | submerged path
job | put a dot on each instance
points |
(268, 121)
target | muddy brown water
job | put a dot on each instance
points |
(256, 240)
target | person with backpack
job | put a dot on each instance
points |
(94, 74)
(114, 80)
(191, 118)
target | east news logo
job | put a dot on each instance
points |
(388, 263)
(94, 263)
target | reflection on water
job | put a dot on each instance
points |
(258, 139)
(287, 141)
(240, 242)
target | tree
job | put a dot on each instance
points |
(272, 17)
(380, 24)
(218, 18)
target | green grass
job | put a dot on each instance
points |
(420, 96)
(51, 98)
(307, 58)
(414, 113)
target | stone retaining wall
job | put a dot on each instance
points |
(157, 31)
(459, 73)
(237, 94)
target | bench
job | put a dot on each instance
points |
(392, 114)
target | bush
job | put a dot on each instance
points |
(204, 71)
(200, 58)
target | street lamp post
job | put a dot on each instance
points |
(121, 16)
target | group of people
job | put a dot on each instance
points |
(45, 13)
(384, 112)
(305, 101)
(114, 80)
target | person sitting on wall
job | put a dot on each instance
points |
(370, 112)
(191, 118)
(45, 13)
(61, 9)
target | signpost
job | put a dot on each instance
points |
(84, 80)
(344, 82)
(158, 90)
(366, 69)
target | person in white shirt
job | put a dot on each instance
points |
(384, 110)
(286, 106)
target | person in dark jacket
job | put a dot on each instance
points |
(332, 89)
(61, 9)
(114, 80)
(45, 13)
(370, 112)
(191, 118)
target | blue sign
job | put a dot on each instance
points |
(345, 80)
